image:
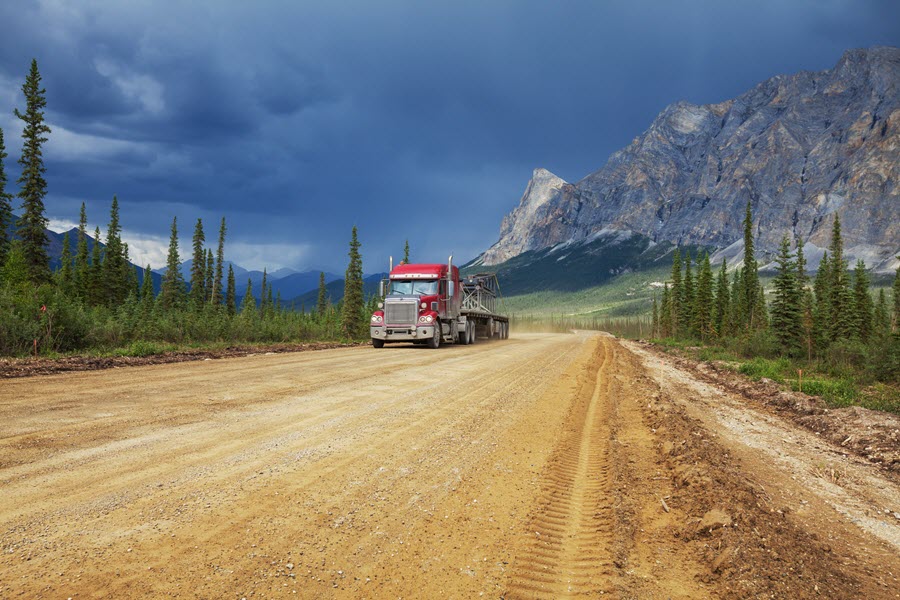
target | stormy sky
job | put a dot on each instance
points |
(419, 120)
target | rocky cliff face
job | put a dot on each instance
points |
(799, 148)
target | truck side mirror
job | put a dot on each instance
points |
(381, 288)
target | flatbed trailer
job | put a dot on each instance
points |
(480, 304)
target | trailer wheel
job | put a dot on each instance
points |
(472, 332)
(377, 343)
(435, 342)
(462, 337)
(506, 330)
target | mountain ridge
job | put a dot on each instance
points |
(799, 148)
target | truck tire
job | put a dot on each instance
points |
(377, 343)
(506, 330)
(463, 337)
(472, 333)
(435, 342)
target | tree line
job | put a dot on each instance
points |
(830, 316)
(97, 298)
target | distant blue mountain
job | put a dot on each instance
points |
(335, 289)
(289, 282)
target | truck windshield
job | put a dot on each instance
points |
(414, 286)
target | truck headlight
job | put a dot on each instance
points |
(377, 319)
(426, 319)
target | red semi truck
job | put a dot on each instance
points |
(430, 304)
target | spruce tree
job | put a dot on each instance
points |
(787, 312)
(352, 310)
(198, 267)
(809, 323)
(248, 304)
(32, 224)
(263, 290)
(688, 297)
(736, 318)
(703, 305)
(406, 252)
(80, 275)
(230, 301)
(171, 294)
(862, 302)
(665, 313)
(723, 302)
(802, 278)
(895, 327)
(210, 275)
(95, 272)
(842, 324)
(881, 321)
(270, 304)
(676, 294)
(322, 302)
(822, 305)
(147, 293)
(760, 314)
(65, 279)
(749, 276)
(5, 205)
(217, 296)
(654, 318)
(115, 273)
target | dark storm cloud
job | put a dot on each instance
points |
(298, 120)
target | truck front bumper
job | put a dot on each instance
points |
(401, 334)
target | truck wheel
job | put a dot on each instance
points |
(506, 331)
(377, 343)
(463, 337)
(471, 333)
(435, 342)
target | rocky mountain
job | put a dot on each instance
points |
(800, 148)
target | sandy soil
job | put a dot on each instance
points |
(544, 466)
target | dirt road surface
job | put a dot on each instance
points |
(545, 466)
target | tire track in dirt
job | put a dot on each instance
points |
(568, 547)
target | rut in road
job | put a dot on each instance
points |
(568, 548)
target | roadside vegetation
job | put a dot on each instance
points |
(824, 335)
(98, 302)
(830, 333)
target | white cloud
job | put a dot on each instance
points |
(135, 86)
(64, 144)
(146, 249)
(269, 256)
(60, 225)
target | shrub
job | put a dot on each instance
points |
(768, 368)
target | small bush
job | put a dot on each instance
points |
(835, 392)
(768, 368)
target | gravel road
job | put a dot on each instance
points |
(544, 466)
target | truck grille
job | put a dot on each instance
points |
(400, 313)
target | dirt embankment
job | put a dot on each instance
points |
(871, 434)
(546, 466)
